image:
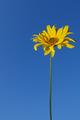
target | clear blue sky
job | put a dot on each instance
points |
(24, 74)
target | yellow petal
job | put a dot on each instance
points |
(54, 30)
(52, 53)
(36, 46)
(35, 39)
(49, 30)
(69, 45)
(45, 33)
(47, 51)
(68, 33)
(38, 38)
(59, 46)
(41, 38)
(65, 30)
(44, 47)
(70, 39)
(65, 42)
(64, 33)
(59, 32)
(35, 35)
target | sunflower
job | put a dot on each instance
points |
(53, 37)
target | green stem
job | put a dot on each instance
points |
(50, 97)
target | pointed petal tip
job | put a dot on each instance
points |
(35, 48)
(69, 45)
(35, 35)
(59, 47)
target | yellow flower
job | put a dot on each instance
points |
(53, 37)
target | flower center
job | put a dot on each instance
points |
(53, 40)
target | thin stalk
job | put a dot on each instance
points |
(50, 94)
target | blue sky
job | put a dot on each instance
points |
(24, 74)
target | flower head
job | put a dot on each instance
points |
(53, 37)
